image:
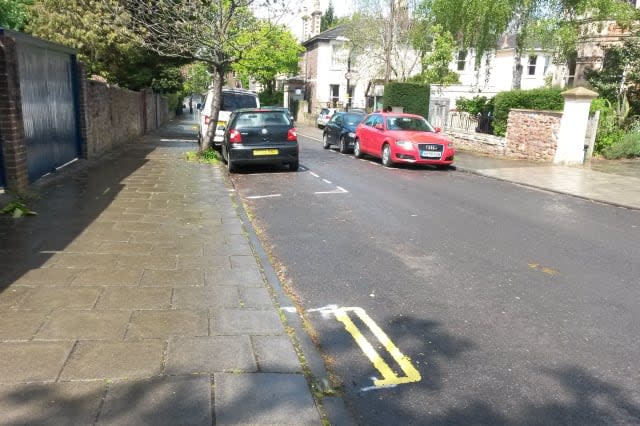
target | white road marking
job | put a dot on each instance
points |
(327, 181)
(341, 189)
(335, 191)
(255, 197)
(313, 174)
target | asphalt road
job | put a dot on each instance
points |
(514, 305)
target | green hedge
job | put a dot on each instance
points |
(413, 97)
(539, 99)
(476, 105)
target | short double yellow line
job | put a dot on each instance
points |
(390, 378)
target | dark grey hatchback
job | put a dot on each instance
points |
(260, 136)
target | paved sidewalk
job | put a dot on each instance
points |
(611, 182)
(134, 297)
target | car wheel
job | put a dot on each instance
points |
(231, 165)
(386, 156)
(356, 149)
(343, 145)
(325, 141)
(294, 166)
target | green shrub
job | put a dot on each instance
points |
(608, 131)
(413, 97)
(627, 147)
(538, 99)
(476, 105)
(272, 98)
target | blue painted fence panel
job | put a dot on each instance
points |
(49, 107)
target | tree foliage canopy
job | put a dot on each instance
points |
(103, 42)
(14, 14)
(276, 52)
(328, 19)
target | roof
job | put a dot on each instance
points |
(331, 34)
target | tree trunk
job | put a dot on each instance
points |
(516, 81)
(216, 86)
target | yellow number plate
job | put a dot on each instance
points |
(265, 152)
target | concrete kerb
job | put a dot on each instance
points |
(544, 188)
(334, 407)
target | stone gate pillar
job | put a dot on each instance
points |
(573, 126)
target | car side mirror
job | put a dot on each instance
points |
(437, 129)
(378, 127)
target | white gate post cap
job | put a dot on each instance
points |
(579, 93)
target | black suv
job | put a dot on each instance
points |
(260, 136)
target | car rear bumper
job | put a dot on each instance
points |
(241, 154)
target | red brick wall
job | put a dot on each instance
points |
(11, 127)
(532, 135)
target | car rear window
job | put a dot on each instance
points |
(260, 119)
(353, 119)
(233, 101)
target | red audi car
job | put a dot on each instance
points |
(402, 138)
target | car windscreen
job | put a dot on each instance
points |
(233, 101)
(408, 123)
(353, 119)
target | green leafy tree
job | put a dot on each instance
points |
(218, 33)
(102, 40)
(14, 14)
(197, 78)
(435, 63)
(328, 20)
(276, 52)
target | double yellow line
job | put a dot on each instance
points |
(389, 377)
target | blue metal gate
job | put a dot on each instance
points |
(2, 178)
(48, 88)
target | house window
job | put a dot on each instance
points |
(547, 62)
(462, 60)
(339, 55)
(532, 65)
(334, 93)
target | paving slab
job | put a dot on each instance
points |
(92, 360)
(51, 403)
(111, 277)
(209, 355)
(103, 325)
(263, 399)
(12, 296)
(173, 278)
(61, 298)
(166, 323)
(255, 297)
(161, 401)
(82, 260)
(243, 262)
(47, 276)
(275, 354)
(206, 297)
(32, 361)
(136, 262)
(20, 325)
(134, 298)
(125, 248)
(239, 277)
(246, 321)
(203, 262)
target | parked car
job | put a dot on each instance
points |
(402, 138)
(260, 136)
(281, 108)
(341, 130)
(232, 99)
(325, 116)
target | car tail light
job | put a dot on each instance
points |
(234, 136)
(292, 135)
(206, 120)
(327, 117)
